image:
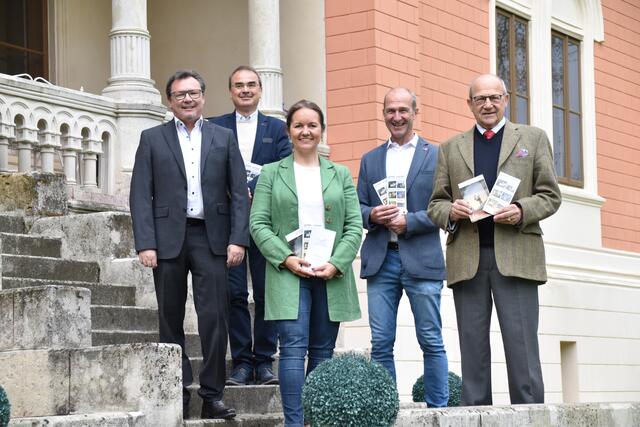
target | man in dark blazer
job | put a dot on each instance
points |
(190, 211)
(262, 140)
(501, 258)
(402, 250)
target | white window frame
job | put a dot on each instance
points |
(587, 28)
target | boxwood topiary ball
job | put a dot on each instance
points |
(455, 389)
(5, 408)
(350, 390)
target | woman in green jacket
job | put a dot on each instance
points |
(308, 302)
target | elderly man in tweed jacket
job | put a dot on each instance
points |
(500, 258)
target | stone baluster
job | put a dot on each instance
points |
(71, 145)
(92, 148)
(26, 139)
(6, 135)
(48, 142)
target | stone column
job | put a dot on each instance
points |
(48, 141)
(71, 145)
(92, 147)
(130, 61)
(26, 138)
(6, 135)
(264, 53)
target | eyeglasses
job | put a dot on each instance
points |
(248, 85)
(482, 99)
(193, 94)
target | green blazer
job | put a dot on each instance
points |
(274, 214)
(526, 154)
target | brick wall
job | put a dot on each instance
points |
(373, 46)
(617, 81)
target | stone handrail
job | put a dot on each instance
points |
(52, 129)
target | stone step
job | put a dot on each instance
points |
(241, 420)
(24, 244)
(105, 419)
(32, 267)
(196, 365)
(101, 294)
(248, 399)
(110, 336)
(124, 318)
(12, 224)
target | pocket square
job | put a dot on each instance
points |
(523, 152)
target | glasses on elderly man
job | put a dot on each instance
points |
(481, 99)
(193, 94)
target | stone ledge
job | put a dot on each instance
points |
(144, 378)
(90, 237)
(624, 414)
(45, 317)
(34, 193)
(111, 419)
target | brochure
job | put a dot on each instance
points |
(253, 170)
(502, 193)
(393, 191)
(475, 192)
(312, 243)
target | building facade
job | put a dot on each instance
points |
(571, 69)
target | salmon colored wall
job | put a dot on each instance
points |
(374, 45)
(617, 84)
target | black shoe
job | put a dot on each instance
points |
(240, 376)
(264, 376)
(216, 409)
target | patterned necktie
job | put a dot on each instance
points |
(488, 134)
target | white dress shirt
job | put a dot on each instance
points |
(190, 145)
(496, 128)
(246, 126)
(399, 158)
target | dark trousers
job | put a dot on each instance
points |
(516, 302)
(245, 351)
(209, 279)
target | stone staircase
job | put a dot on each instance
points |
(48, 254)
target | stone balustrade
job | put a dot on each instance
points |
(51, 129)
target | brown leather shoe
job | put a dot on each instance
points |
(216, 409)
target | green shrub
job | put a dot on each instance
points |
(350, 390)
(5, 408)
(455, 389)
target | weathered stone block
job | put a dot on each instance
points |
(36, 381)
(33, 193)
(90, 237)
(111, 419)
(54, 317)
(129, 271)
(142, 377)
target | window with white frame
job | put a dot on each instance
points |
(512, 63)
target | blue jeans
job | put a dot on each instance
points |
(312, 331)
(384, 291)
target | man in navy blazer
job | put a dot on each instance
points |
(262, 140)
(190, 209)
(402, 250)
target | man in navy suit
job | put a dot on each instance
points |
(402, 250)
(262, 140)
(190, 210)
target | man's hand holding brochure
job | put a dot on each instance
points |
(475, 192)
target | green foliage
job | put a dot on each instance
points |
(455, 389)
(5, 408)
(349, 391)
